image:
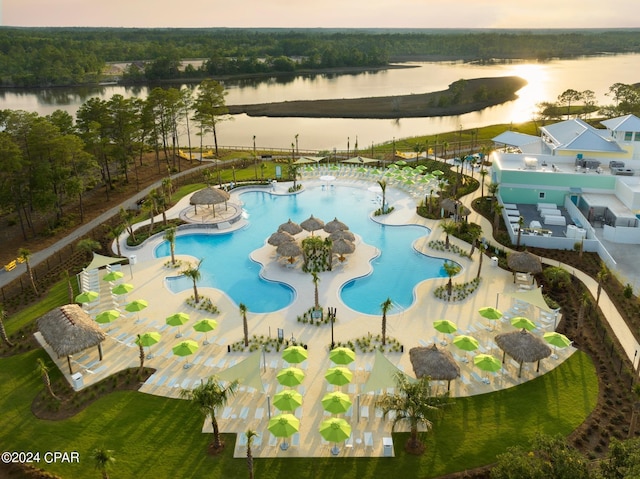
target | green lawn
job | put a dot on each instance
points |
(159, 437)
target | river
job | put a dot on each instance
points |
(546, 80)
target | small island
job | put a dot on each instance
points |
(462, 96)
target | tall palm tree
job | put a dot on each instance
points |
(383, 187)
(24, 254)
(585, 301)
(492, 189)
(3, 332)
(140, 352)
(245, 326)
(250, 435)
(43, 370)
(208, 397)
(445, 145)
(193, 272)
(103, 459)
(114, 232)
(451, 269)
(415, 404)
(170, 237)
(474, 237)
(385, 307)
(497, 211)
(483, 174)
(316, 296)
(127, 218)
(602, 276)
(449, 228)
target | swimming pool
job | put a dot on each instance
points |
(227, 266)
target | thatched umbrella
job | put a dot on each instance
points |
(312, 224)
(434, 363)
(279, 237)
(209, 196)
(290, 249)
(290, 227)
(335, 225)
(69, 330)
(524, 262)
(342, 247)
(345, 234)
(454, 207)
(524, 347)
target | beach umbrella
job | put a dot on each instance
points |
(436, 364)
(287, 400)
(283, 425)
(312, 224)
(524, 262)
(290, 227)
(400, 163)
(437, 172)
(122, 288)
(521, 322)
(147, 340)
(344, 234)
(280, 237)
(290, 249)
(375, 172)
(341, 247)
(294, 354)
(466, 343)
(290, 376)
(136, 306)
(342, 355)
(107, 316)
(185, 348)
(204, 326)
(87, 297)
(335, 430)
(177, 319)
(557, 340)
(335, 225)
(338, 376)
(445, 327)
(113, 276)
(492, 314)
(336, 402)
(487, 363)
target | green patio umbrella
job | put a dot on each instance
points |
(204, 326)
(113, 276)
(147, 340)
(185, 348)
(136, 306)
(437, 172)
(336, 402)
(338, 376)
(466, 343)
(521, 322)
(335, 430)
(342, 355)
(445, 326)
(291, 376)
(556, 339)
(87, 297)
(107, 316)
(492, 314)
(283, 425)
(400, 163)
(294, 354)
(487, 363)
(177, 319)
(122, 288)
(287, 400)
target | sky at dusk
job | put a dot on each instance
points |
(326, 13)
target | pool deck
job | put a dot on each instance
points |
(412, 327)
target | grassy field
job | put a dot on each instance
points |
(159, 437)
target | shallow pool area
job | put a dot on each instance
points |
(396, 270)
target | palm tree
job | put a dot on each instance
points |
(43, 370)
(243, 312)
(250, 435)
(383, 187)
(65, 276)
(496, 216)
(482, 251)
(585, 300)
(114, 232)
(24, 254)
(316, 279)
(88, 245)
(474, 237)
(208, 397)
(167, 187)
(415, 404)
(483, 174)
(193, 272)
(493, 189)
(385, 307)
(449, 228)
(602, 276)
(3, 332)
(445, 145)
(127, 218)
(451, 269)
(170, 236)
(140, 352)
(103, 459)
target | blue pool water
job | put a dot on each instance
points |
(227, 266)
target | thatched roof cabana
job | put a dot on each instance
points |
(290, 249)
(335, 225)
(434, 363)
(523, 346)
(342, 247)
(454, 207)
(279, 237)
(524, 262)
(69, 330)
(290, 227)
(209, 196)
(312, 224)
(344, 234)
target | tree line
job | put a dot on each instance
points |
(626, 101)
(41, 57)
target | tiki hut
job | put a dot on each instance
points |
(454, 207)
(279, 237)
(342, 247)
(335, 225)
(69, 330)
(290, 227)
(312, 224)
(524, 347)
(345, 234)
(209, 196)
(290, 249)
(524, 262)
(434, 363)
